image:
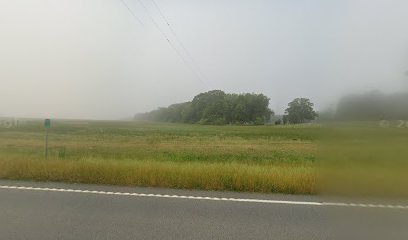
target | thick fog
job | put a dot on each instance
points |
(95, 59)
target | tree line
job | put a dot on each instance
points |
(217, 107)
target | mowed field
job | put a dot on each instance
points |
(279, 159)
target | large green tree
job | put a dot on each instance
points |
(300, 110)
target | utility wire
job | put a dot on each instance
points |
(178, 39)
(172, 45)
(131, 12)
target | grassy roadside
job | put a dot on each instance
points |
(212, 176)
(234, 158)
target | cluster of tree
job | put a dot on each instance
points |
(373, 106)
(215, 107)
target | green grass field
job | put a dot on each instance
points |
(238, 158)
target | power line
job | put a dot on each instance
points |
(131, 12)
(172, 45)
(178, 39)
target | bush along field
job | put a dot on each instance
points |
(271, 159)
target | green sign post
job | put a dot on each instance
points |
(47, 125)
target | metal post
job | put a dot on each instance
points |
(46, 144)
(47, 125)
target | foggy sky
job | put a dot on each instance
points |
(92, 59)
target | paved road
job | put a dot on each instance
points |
(44, 213)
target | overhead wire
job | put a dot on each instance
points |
(172, 45)
(178, 39)
(131, 12)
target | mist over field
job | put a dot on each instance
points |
(94, 59)
(201, 112)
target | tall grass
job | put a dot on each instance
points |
(237, 158)
(213, 176)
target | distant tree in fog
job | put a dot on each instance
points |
(373, 106)
(300, 110)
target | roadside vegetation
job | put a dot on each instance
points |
(278, 159)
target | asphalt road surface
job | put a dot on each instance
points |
(30, 210)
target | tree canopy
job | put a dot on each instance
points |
(215, 107)
(300, 110)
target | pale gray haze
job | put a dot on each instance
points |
(93, 59)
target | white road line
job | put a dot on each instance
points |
(331, 204)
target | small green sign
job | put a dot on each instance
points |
(47, 123)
